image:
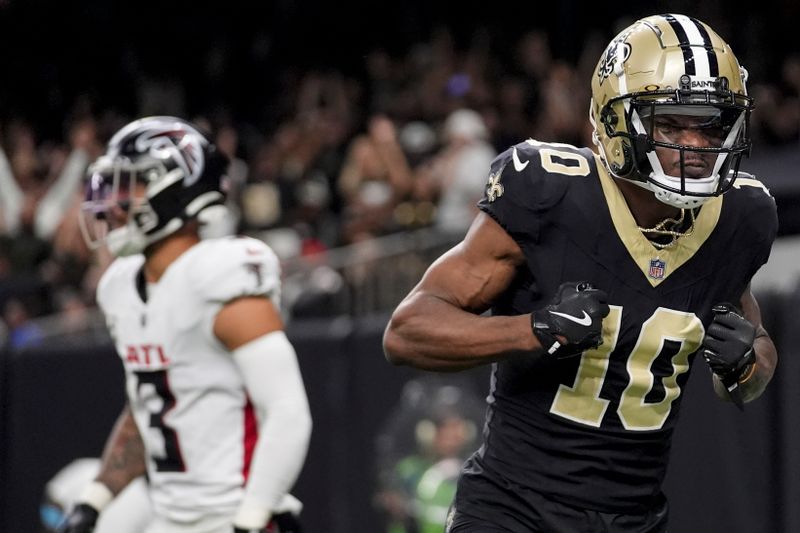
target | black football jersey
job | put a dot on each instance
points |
(593, 431)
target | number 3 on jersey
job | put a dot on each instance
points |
(582, 402)
(172, 461)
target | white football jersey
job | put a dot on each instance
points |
(185, 391)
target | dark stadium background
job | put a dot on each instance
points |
(731, 472)
(56, 51)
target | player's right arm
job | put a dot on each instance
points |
(124, 456)
(123, 461)
(438, 325)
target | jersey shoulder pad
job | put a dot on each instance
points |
(755, 207)
(230, 267)
(751, 197)
(532, 177)
(751, 186)
(117, 278)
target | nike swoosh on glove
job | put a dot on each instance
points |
(576, 314)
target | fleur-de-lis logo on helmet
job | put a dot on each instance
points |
(611, 56)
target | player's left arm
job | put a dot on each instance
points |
(740, 350)
(252, 329)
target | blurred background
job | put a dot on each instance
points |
(360, 135)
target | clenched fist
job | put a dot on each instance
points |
(572, 322)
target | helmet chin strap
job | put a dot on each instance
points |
(677, 200)
(125, 241)
(682, 201)
(129, 239)
(670, 198)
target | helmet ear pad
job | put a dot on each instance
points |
(185, 202)
(209, 189)
(627, 166)
(633, 158)
(640, 146)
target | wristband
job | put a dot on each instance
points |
(96, 494)
(251, 517)
(747, 374)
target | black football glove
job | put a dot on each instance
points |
(280, 523)
(81, 519)
(728, 344)
(576, 313)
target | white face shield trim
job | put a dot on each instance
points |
(729, 140)
(125, 241)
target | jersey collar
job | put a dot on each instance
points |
(656, 264)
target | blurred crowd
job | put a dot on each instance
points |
(344, 159)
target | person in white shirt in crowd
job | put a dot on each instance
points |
(460, 169)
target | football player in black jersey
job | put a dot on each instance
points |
(606, 273)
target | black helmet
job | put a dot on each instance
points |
(163, 172)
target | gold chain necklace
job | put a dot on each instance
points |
(661, 229)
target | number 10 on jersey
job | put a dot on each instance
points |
(582, 403)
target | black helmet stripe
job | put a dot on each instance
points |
(713, 65)
(693, 35)
(688, 54)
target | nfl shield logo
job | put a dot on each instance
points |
(657, 267)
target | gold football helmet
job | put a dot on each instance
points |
(671, 65)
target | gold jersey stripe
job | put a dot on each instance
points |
(639, 247)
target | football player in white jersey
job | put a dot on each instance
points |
(217, 415)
